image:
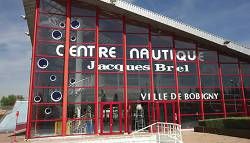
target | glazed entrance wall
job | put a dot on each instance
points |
(96, 72)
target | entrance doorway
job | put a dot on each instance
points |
(111, 118)
(165, 112)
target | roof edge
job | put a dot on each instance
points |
(179, 25)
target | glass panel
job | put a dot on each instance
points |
(136, 28)
(189, 94)
(245, 68)
(49, 128)
(188, 122)
(247, 93)
(81, 95)
(51, 20)
(82, 9)
(110, 95)
(111, 79)
(209, 81)
(138, 80)
(213, 107)
(164, 80)
(79, 65)
(110, 38)
(82, 36)
(231, 81)
(229, 69)
(49, 79)
(232, 93)
(187, 80)
(208, 68)
(234, 106)
(186, 55)
(84, 22)
(187, 68)
(138, 94)
(246, 80)
(47, 112)
(137, 39)
(43, 95)
(184, 45)
(211, 94)
(227, 59)
(190, 107)
(110, 24)
(49, 64)
(46, 34)
(48, 49)
(208, 56)
(162, 41)
(50, 6)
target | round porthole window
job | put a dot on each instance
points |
(56, 34)
(62, 25)
(73, 38)
(48, 110)
(72, 81)
(42, 63)
(56, 96)
(52, 78)
(37, 99)
(75, 24)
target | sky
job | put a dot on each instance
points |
(227, 18)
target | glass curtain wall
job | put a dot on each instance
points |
(166, 76)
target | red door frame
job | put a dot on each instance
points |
(165, 114)
(120, 117)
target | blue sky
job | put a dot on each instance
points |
(227, 18)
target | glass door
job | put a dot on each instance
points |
(111, 118)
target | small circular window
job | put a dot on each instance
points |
(48, 110)
(37, 99)
(75, 24)
(72, 81)
(42, 63)
(56, 96)
(52, 78)
(62, 24)
(73, 38)
(56, 34)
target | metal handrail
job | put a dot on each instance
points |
(161, 129)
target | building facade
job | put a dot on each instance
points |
(98, 71)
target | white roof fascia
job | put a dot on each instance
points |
(178, 25)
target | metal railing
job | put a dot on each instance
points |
(165, 132)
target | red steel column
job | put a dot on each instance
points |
(199, 82)
(221, 87)
(125, 82)
(32, 71)
(242, 89)
(151, 72)
(96, 71)
(177, 84)
(66, 68)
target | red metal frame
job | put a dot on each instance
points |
(125, 75)
(177, 83)
(97, 72)
(151, 76)
(242, 89)
(66, 68)
(199, 81)
(221, 86)
(32, 71)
